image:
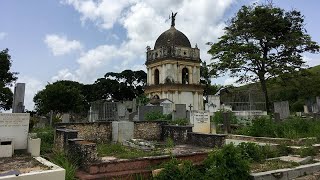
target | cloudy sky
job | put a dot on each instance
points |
(81, 40)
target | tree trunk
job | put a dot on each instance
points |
(265, 92)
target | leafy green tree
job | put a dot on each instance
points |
(61, 97)
(205, 79)
(6, 80)
(262, 42)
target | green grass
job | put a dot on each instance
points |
(291, 128)
(47, 137)
(123, 152)
(66, 163)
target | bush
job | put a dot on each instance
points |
(46, 135)
(179, 122)
(218, 117)
(292, 128)
(308, 151)
(251, 151)
(227, 164)
(173, 170)
(66, 163)
(154, 116)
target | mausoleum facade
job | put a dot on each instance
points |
(173, 70)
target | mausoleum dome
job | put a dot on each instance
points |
(172, 37)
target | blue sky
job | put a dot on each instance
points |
(81, 40)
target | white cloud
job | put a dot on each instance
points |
(3, 35)
(60, 45)
(103, 13)
(64, 74)
(143, 21)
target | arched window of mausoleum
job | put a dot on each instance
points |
(156, 76)
(185, 76)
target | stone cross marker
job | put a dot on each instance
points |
(15, 127)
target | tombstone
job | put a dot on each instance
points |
(142, 110)
(315, 108)
(305, 109)
(18, 98)
(318, 102)
(282, 108)
(299, 114)
(167, 106)
(226, 122)
(180, 112)
(200, 121)
(213, 104)
(122, 130)
(15, 127)
(123, 113)
(65, 118)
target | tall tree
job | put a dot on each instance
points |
(6, 80)
(262, 42)
(61, 97)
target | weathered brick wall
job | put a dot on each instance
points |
(177, 133)
(92, 131)
(206, 140)
(148, 130)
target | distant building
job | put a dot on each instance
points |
(173, 69)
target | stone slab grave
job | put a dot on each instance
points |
(15, 127)
(282, 108)
(200, 121)
(122, 130)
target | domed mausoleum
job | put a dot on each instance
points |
(173, 69)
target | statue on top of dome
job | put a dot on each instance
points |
(173, 18)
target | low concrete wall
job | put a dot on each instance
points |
(177, 133)
(148, 130)
(92, 131)
(55, 173)
(288, 173)
(206, 140)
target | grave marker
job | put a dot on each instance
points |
(282, 108)
(200, 121)
(15, 127)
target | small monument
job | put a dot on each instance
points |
(18, 98)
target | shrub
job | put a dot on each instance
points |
(218, 117)
(155, 115)
(251, 151)
(46, 135)
(227, 164)
(180, 122)
(173, 170)
(66, 163)
(308, 151)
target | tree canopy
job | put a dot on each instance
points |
(7, 78)
(262, 42)
(61, 97)
(70, 96)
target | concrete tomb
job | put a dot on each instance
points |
(15, 127)
(122, 130)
